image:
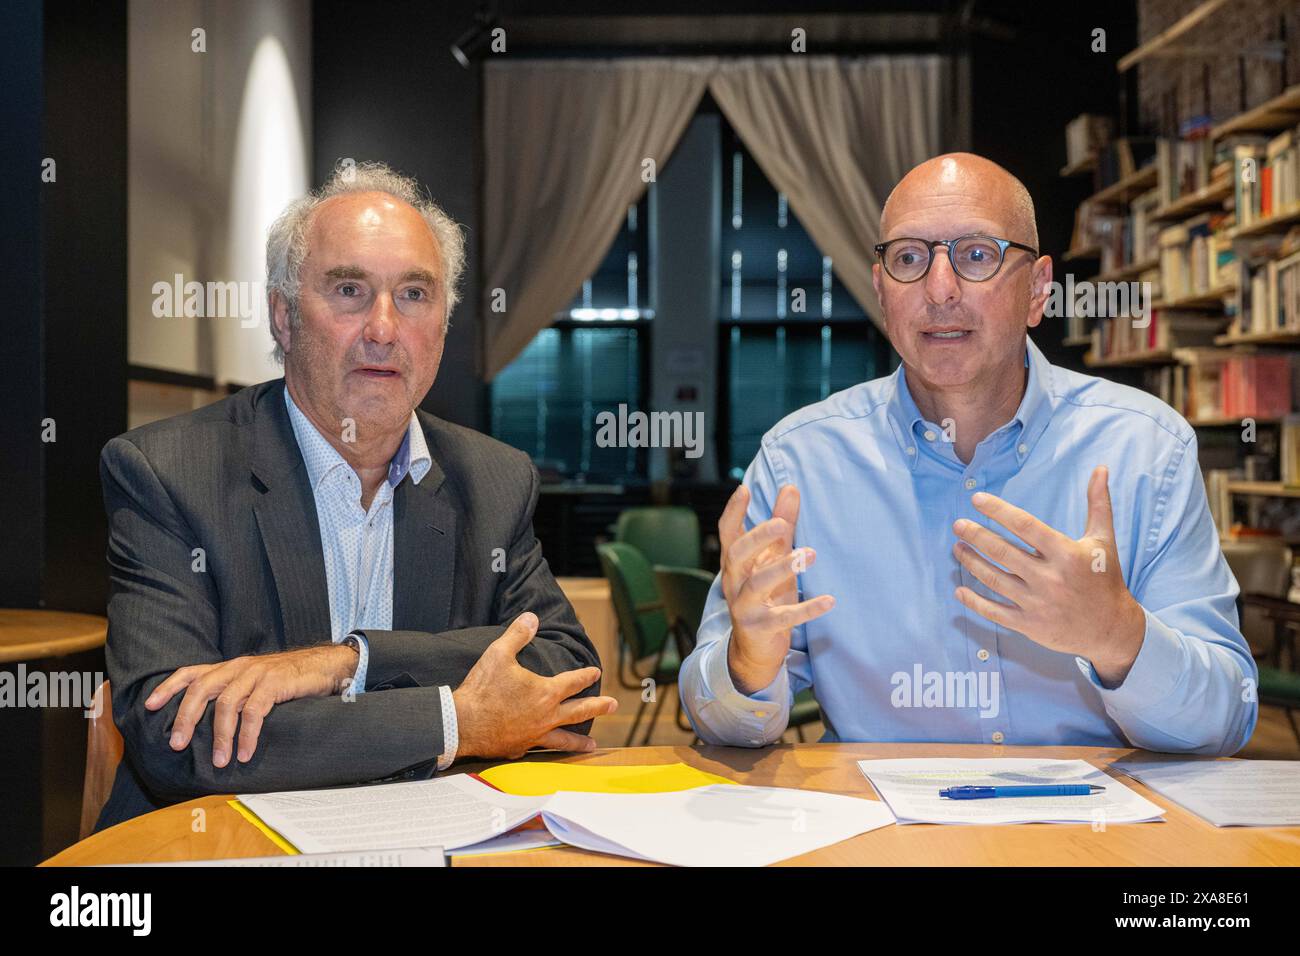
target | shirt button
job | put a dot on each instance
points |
(970, 483)
(911, 450)
(1022, 448)
(997, 737)
(929, 435)
(983, 654)
(760, 713)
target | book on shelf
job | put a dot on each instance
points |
(1085, 136)
(1168, 329)
(1266, 175)
(1219, 385)
(1195, 256)
(1256, 386)
(1280, 177)
(1268, 297)
(1289, 456)
(1219, 498)
(1184, 167)
(1248, 154)
(1128, 239)
(1122, 158)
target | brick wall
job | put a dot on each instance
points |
(1180, 83)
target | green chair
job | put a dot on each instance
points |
(1279, 686)
(665, 535)
(685, 591)
(642, 627)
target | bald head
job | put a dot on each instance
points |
(967, 184)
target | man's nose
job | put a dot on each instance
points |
(381, 322)
(942, 285)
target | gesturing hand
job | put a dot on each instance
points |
(759, 581)
(503, 709)
(245, 689)
(1066, 595)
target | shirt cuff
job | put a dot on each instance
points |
(363, 661)
(1154, 674)
(766, 710)
(450, 730)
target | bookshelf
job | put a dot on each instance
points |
(1127, 188)
(1131, 359)
(1266, 489)
(1267, 224)
(1210, 225)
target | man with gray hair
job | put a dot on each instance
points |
(315, 583)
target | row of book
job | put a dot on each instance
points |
(1125, 240)
(1266, 174)
(1269, 298)
(1186, 166)
(1210, 386)
(1168, 329)
(1268, 285)
(1086, 136)
(1197, 257)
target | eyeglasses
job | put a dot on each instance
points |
(975, 258)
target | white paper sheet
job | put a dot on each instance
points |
(413, 856)
(449, 812)
(1226, 793)
(512, 842)
(911, 788)
(718, 825)
(708, 826)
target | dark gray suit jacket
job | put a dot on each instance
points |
(229, 479)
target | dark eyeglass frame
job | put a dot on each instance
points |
(1002, 244)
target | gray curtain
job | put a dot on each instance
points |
(835, 136)
(566, 150)
(566, 145)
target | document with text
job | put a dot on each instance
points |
(911, 788)
(714, 825)
(1226, 793)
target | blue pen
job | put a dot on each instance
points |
(1044, 790)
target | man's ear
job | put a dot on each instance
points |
(1040, 288)
(280, 326)
(877, 283)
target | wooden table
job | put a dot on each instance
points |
(1182, 840)
(34, 635)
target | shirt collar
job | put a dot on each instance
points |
(321, 457)
(1030, 420)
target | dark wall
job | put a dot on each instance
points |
(64, 358)
(388, 89)
(1026, 86)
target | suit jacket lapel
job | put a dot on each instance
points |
(424, 551)
(286, 517)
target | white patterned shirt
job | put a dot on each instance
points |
(358, 544)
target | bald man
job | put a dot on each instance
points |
(981, 547)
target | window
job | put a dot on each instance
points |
(592, 359)
(790, 332)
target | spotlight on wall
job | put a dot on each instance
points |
(470, 43)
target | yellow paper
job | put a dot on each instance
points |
(536, 779)
(256, 821)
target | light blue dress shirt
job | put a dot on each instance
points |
(358, 544)
(899, 658)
